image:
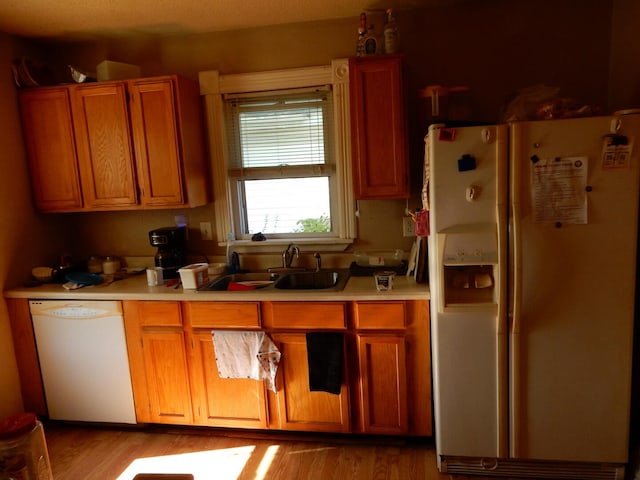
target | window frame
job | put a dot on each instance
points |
(214, 86)
(238, 173)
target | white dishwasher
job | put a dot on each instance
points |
(83, 358)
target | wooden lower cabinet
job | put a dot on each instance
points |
(24, 344)
(222, 402)
(158, 361)
(383, 383)
(298, 407)
(393, 381)
(386, 387)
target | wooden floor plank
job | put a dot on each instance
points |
(106, 453)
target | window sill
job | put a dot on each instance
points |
(277, 245)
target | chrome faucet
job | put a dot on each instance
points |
(287, 256)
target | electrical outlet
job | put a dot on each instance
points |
(205, 231)
(408, 227)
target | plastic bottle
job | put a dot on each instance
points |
(362, 33)
(390, 33)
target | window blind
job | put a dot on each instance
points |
(287, 129)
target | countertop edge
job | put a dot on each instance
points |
(135, 288)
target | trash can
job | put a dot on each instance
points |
(23, 450)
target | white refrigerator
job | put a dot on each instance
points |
(532, 265)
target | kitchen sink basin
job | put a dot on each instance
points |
(313, 280)
(250, 280)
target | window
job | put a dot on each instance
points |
(280, 145)
(281, 166)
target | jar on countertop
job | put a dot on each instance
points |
(94, 264)
(110, 265)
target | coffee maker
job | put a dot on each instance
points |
(171, 254)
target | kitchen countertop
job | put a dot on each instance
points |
(135, 288)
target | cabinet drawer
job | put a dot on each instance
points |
(307, 315)
(159, 314)
(224, 314)
(379, 315)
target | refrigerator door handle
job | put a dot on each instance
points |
(516, 297)
(500, 136)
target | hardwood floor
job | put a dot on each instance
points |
(105, 453)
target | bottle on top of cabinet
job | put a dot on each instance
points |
(362, 33)
(390, 32)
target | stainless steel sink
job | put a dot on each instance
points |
(334, 280)
(251, 279)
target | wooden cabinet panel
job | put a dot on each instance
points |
(167, 376)
(222, 402)
(383, 383)
(159, 314)
(156, 142)
(121, 145)
(51, 149)
(166, 116)
(418, 340)
(223, 314)
(305, 315)
(158, 361)
(379, 315)
(24, 345)
(299, 408)
(103, 139)
(378, 128)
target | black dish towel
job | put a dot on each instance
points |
(324, 356)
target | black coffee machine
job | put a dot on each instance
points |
(171, 254)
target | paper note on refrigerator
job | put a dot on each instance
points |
(559, 190)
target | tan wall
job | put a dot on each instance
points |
(494, 46)
(27, 239)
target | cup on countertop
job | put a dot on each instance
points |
(154, 276)
(384, 280)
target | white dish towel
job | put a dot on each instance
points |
(241, 354)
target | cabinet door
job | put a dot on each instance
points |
(222, 402)
(165, 362)
(156, 141)
(101, 122)
(51, 150)
(378, 128)
(299, 408)
(158, 361)
(383, 383)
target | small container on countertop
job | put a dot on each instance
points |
(194, 276)
(110, 265)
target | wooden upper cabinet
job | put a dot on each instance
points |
(118, 145)
(169, 146)
(51, 149)
(378, 128)
(103, 139)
